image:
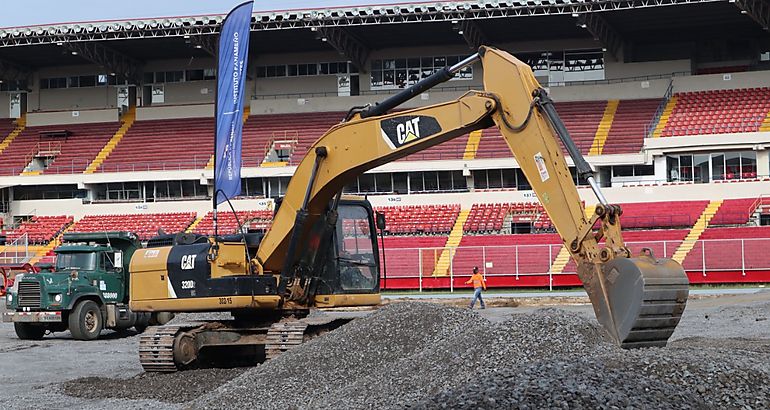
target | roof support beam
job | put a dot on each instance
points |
(758, 10)
(472, 34)
(10, 71)
(115, 62)
(602, 31)
(347, 44)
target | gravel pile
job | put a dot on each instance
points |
(177, 387)
(403, 353)
(427, 356)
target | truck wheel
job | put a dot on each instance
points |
(27, 331)
(86, 320)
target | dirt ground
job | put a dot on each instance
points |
(33, 373)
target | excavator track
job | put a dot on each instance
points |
(283, 336)
(156, 348)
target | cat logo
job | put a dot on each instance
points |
(188, 262)
(405, 129)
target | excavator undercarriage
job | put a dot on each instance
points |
(321, 251)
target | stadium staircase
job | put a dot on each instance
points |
(663, 121)
(194, 223)
(246, 113)
(563, 257)
(452, 242)
(472, 146)
(764, 127)
(604, 128)
(697, 230)
(20, 123)
(128, 120)
(50, 246)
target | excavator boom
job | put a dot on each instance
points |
(638, 299)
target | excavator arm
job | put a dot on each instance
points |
(639, 300)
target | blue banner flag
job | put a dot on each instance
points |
(231, 85)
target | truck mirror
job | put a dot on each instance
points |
(118, 260)
(380, 220)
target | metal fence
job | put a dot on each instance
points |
(16, 252)
(531, 265)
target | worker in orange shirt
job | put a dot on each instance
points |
(478, 284)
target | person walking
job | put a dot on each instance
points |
(478, 284)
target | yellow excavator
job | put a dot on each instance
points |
(321, 251)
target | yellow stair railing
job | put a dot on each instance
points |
(765, 126)
(128, 120)
(53, 243)
(604, 128)
(453, 241)
(664, 117)
(695, 232)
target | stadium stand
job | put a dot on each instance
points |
(163, 145)
(627, 132)
(730, 249)
(144, 225)
(227, 224)
(718, 112)
(39, 229)
(6, 126)
(490, 217)
(69, 148)
(581, 118)
(735, 211)
(428, 219)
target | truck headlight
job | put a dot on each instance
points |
(57, 298)
(10, 298)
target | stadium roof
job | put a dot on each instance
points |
(353, 29)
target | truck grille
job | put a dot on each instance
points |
(29, 294)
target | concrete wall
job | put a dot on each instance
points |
(722, 81)
(72, 117)
(193, 92)
(5, 104)
(615, 69)
(626, 90)
(72, 98)
(175, 111)
(615, 195)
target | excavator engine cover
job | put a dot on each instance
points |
(639, 300)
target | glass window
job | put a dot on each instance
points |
(194, 75)
(623, 171)
(261, 72)
(148, 77)
(87, 81)
(399, 183)
(431, 180)
(717, 167)
(384, 183)
(480, 179)
(174, 189)
(445, 181)
(458, 181)
(280, 71)
(701, 168)
(355, 252)
(366, 183)
(73, 82)
(76, 261)
(495, 178)
(521, 181)
(415, 182)
(188, 188)
(209, 73)
(685, 167)
(509, 178)
(748, 164)
(732, 165)
(672, 168)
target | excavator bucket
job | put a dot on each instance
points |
(638, 300)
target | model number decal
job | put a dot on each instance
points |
(188, 262)
(225, 301)
(110, 295)
(188, 284)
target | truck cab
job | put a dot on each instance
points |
(84, 291)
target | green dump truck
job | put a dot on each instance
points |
(85, 291)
